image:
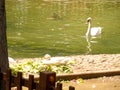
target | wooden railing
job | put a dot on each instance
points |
(47, 81)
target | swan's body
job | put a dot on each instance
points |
(94, 31)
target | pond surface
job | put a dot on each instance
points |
(58, 27)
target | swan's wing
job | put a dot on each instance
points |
(95, 31)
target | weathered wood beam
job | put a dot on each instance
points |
(3, 43)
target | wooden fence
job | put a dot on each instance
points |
(47, 81)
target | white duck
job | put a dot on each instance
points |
(94, 31)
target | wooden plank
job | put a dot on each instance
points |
(59, 86)
(8, 80)
(47, 80)
(31, 82)
(3, 43)
(71, 88)
(88, 75)
(19, 81)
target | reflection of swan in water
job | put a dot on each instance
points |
(92, 33)
(89, 48)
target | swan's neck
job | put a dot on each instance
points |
(88, 30)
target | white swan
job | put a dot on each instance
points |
(94, 31)
(91, 33)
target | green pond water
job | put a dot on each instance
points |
(58, 27)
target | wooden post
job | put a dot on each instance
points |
(47, 80)
(71, 88)
(3, 43)
(59, 86)
(8, 79)
(31, 82)
(19, 82)
(1, 76)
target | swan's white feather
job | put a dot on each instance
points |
(95, 31)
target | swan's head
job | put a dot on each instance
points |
(89, 19)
